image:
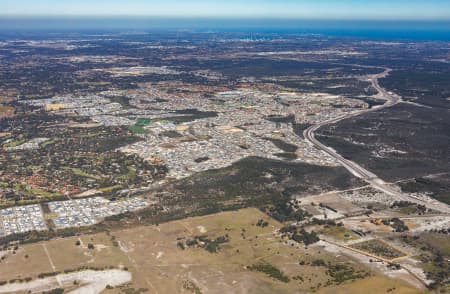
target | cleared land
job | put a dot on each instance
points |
(158, 264)
(90, 281)
(379, 248)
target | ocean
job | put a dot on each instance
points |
(414, 30)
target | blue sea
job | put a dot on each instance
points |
(415, 30)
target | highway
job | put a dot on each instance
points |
(359, 171)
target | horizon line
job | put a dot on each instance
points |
(202, 17)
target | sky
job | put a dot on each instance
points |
(285, 9)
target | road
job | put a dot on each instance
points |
(419, 279)
(356, 169)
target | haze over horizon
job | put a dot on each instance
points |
(436, 10)
(404, 19)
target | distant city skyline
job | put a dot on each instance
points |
(289, 9)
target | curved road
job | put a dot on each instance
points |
(354, 168)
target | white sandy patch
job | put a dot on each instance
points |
(201, 229)
(126, 248)
(93, 282)
(87, 193)
(100, 247)
(159, 255)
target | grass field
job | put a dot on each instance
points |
(81, 173)
(157, 264)
(137, 129)
(15, 143)
(143, 122)
(109, 189)
(49, 142)
(35, 191)
(43, 193)
(339, 233)
(61, 254)
(372, 285)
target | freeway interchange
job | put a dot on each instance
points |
(357, 170)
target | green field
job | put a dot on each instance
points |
(49, 142)
(109, 189)
(15, 143)
(136, 129)
(143, 122)
(339, 233)
(81, 173)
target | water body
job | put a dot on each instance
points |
(414, 30)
